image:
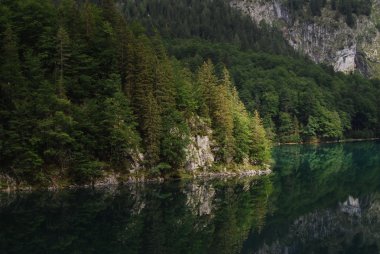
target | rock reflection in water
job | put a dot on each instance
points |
(332, 231)
(180, 217)
(200, 198)
(351, 206)
(320, 199)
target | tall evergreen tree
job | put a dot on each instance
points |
(260, 146)
(63, 54)
(222, 117)
(206, 84)
(10, 63)
(144, 101)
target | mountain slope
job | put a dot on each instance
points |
(212, 20)
(298, 99)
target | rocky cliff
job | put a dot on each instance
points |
(199, 153)
(326, 38)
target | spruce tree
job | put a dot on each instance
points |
(152, 129)
(241, 129)
(144, 102)
(222, 117)
(11, 83)
(206, 83)
(63, 54)
(10, 68)
(260, 145)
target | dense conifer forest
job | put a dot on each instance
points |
(212, 20)
(89, 87)
(82, 93)
(298, 100)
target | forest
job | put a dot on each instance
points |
(91, 87)
(214, 21)
(298, 100)
(83, 92)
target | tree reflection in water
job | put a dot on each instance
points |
(321, 199)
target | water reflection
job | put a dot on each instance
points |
(325, 199)
(321, 199)
(182, 217)
(346, 228)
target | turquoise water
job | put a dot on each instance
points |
(320, 199)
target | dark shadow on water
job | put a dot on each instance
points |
(321, 199)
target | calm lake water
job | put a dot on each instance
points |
(321, 199)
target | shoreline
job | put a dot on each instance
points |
(114, 179)
(350, 140)
(118, 179)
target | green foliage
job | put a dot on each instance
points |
(260, 146)
(238, 138)
(83, 92)
(288, 130)
(297, 99)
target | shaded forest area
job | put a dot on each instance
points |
(83, 93)
(212, 20)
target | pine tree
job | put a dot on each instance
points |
(174, 137)
(241, 130)
(185, 93)
(10, 68)
(130, 61)
(144, 102)
(260, 146)
(88, 17)
(63, 55)
(163, 84)
(296, 131)
(216, 103)
(121, 40)
(152, 129)
(206, 83)
(11, 89)
(110, 12)
(222, 117)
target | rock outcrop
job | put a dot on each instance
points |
(326, 38)
(199, 152)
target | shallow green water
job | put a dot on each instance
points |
(321, 199)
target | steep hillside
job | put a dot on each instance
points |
(344, 35)
(212, 20)
(298, 99)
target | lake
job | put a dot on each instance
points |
(320, 199)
